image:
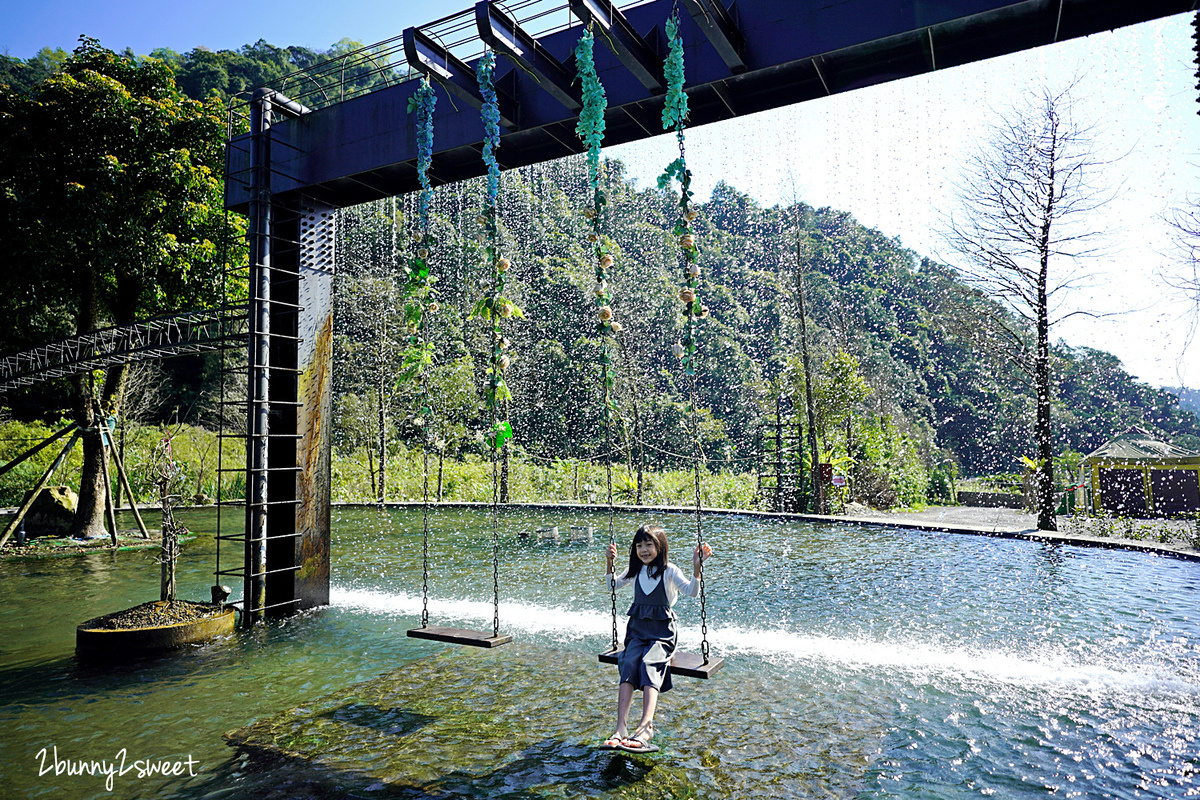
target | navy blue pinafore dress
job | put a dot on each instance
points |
(650, 639)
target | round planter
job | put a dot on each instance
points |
(95, 642)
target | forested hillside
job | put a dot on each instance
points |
(904, 379)
(202, 73)
(906, 383)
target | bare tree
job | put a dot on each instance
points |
(1185, 234)
(1184, 221)
(1022, 231)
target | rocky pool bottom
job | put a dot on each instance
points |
(470, 724)
(862, 663)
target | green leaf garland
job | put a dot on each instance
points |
(590, 129)
(495, 306)
(418, 289)
(674, 117)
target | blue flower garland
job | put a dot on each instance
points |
(590, 127)
(484, 72)
(675, 110)
(423, 102)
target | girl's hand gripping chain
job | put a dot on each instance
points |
(702, 553)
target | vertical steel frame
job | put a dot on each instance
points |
(288, 405)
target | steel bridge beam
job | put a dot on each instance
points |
(721, 31)
(430, 58)
(637, 54)
(741, 59)
(505, 36)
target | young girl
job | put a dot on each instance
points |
(650, 635)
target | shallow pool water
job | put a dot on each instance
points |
(861, 663)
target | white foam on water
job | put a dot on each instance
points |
(1044, 667)
(917, 660)
(514, 615)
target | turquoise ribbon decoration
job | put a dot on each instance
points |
(484, 71)
(425, 103)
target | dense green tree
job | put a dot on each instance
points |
(22, 76)
(110, 212)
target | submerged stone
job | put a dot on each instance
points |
(52, 512)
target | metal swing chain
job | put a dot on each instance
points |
(425, 548)
(495, 504)
(605, 365)
(695, 420)
(612, 535)
(425, 456)
(699, 527)
(495, 545)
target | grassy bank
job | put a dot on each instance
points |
(531, 481)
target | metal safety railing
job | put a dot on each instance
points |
(378, 66)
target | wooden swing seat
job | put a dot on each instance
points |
(460, 636)
(689, 665)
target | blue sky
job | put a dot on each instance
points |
(30, 25)
(888, 154)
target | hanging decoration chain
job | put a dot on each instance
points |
(674, 117)
(495, 548)
(699, 531)
(421, 302)
(590, 130)
(425, 552)
(493, 308)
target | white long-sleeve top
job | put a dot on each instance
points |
(676, 580)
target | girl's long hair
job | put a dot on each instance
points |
(648, 533)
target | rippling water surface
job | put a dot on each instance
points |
(862, 663)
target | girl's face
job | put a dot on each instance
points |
(646, 551)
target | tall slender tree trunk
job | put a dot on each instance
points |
(1039, 168)
(818, 489)
(441, 460)
(637, 423)
(381, 363)
(1042, 432)
(641, 451)
(1044, 483)
(89, 512)
(121, 456)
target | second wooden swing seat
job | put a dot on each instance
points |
(460, 636)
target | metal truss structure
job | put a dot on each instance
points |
(162, 337)
(353, 144)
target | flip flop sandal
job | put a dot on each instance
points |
(613, 742)
(638, 746)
